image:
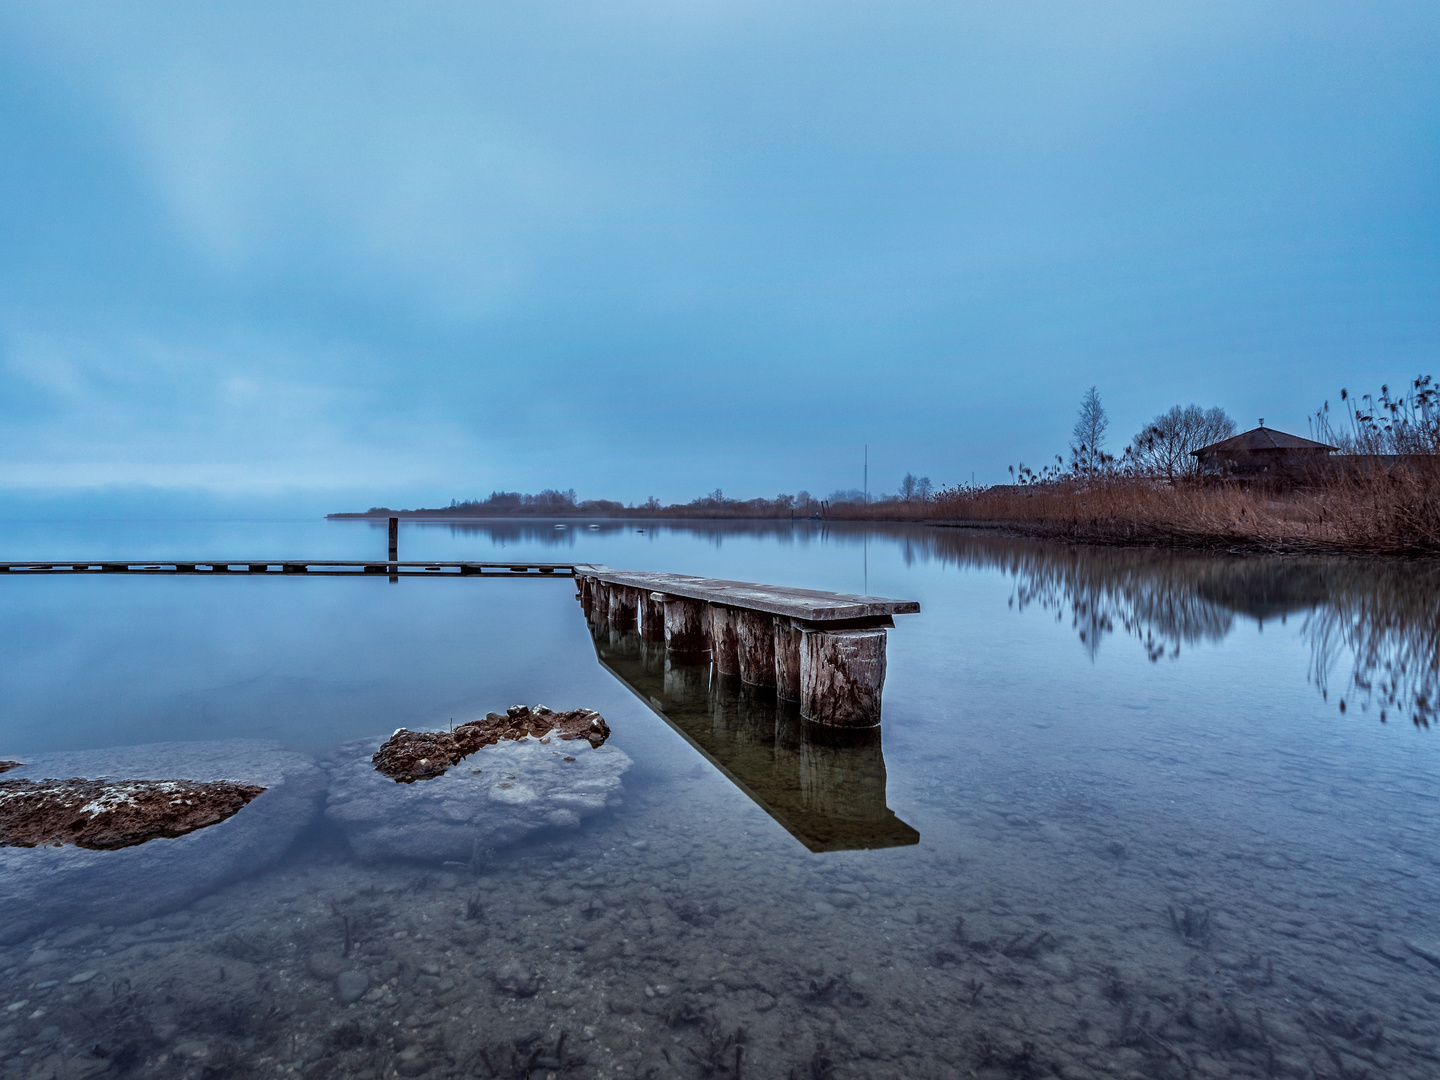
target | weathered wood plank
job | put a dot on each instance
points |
(808, 605)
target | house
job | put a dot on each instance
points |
(1265, 454)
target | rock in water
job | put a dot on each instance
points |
(496, 796)
(105, 815)
(351, 986)
(408, 756)
(43, 886)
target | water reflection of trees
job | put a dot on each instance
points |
(1373, 626)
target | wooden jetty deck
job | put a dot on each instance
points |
(825, 650)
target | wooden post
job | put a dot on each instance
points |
(650, 614)
(755, 631)
(394, 567)
(725, 639)
(842, 673)
(787, 659)
(685, 630)
(622, 606)
(600, 593)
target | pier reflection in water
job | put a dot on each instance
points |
(825, 786)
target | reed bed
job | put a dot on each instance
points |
(1368, 507)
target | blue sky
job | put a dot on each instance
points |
(350, 254)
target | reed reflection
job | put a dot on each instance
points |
(1373, 626)
(825, 786)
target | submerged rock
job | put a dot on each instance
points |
(105, 815)
(45, 885)
(6, 766)
(498, 795)
(515, 978)
(408, 756)
(350, 986)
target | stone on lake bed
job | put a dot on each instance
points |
(515, 978)
(45, 886)
(350, 986)
(501, 793)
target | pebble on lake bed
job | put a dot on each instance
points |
(350, 986)
(515, 978)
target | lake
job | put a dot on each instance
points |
(1130, 813)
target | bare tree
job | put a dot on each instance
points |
(923, 488)
(907, 487)
(1166, 445)
(1087, 452)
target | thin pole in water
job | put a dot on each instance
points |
(867, 474)
(394, 549)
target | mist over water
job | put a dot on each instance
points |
(1115, 822)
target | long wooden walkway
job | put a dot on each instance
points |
(333, 567)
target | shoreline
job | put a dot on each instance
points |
(1131, 534)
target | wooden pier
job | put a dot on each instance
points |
(824, 650)
(277, 567)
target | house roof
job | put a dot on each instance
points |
(1261, 438)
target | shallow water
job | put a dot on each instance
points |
(1115, 822)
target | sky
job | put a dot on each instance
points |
(379, 254)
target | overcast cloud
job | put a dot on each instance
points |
(403, 253)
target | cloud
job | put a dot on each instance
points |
(626, 248)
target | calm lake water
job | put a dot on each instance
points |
(1130, 813)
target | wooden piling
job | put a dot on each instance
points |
(650, 614)
(394, 539)
(725, 639)
(842, 674)
(623, 603)
(787, 659)
(685, 630)
(755, 632)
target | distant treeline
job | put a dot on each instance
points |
(552, 503)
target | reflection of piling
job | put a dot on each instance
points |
(682, 681)
(842, 773)
(825, 785)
